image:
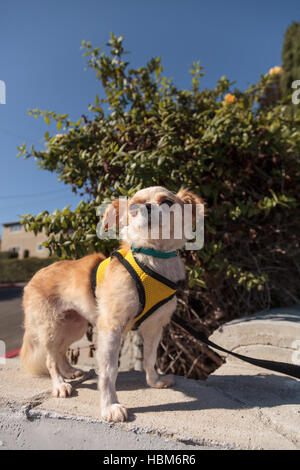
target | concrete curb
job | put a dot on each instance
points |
(273, 335)
(43, 430)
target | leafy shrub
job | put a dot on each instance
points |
(13, 253)
(5, 254)
(241, 158)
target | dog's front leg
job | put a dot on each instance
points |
(151, 331)
(109, 342)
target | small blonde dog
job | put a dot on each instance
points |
(134, 288)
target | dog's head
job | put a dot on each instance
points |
(155, 217)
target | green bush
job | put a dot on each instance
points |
(5, 254)
(241, 158)
(9, 254)
(21, 270)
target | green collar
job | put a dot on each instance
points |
(155, 253)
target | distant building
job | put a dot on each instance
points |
(14, 238)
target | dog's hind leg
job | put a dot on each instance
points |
(49, 331)
(73, 327)
(68, 328)
(68, 371)
(61, 388)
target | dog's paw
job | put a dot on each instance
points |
(114, 413)
(62, 390)
(163, 381)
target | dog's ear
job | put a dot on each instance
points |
(111, 215)
(115, 214)
(188, 197)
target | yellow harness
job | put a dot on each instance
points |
(154, 289)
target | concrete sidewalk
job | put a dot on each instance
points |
(238, 407)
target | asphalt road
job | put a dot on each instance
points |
(11, 317)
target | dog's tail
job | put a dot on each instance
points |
(33, 356)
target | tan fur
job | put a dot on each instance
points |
(187, 197)
(58, 303)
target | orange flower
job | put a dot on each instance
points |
(275, 70)
(230, 99)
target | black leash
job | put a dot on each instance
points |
(282, 367)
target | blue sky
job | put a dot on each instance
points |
(42, 66)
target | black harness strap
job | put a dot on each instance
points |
(150, 311)
(141, 290)
(155, 275)
(282, 367)
(138, 282)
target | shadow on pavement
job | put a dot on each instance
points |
(227, 392)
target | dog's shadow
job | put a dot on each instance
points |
(227, 392)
